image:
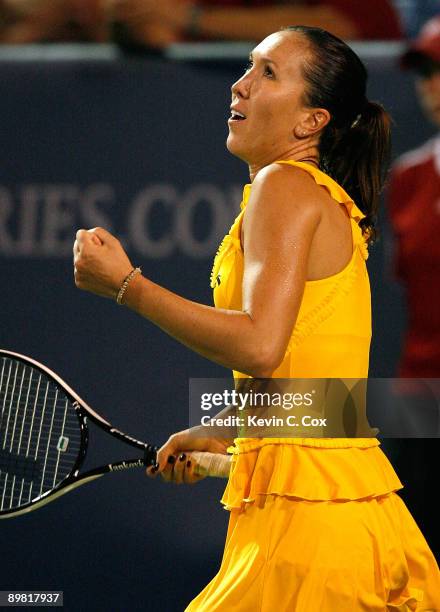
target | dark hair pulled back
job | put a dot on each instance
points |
(354, 147)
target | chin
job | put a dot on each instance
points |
(233, 146)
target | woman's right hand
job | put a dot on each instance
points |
(174, 460)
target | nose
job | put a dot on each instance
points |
(241, 87)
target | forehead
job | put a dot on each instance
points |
(287, 49)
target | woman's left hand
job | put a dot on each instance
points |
(100, 262)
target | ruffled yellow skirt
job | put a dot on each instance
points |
(316, 526)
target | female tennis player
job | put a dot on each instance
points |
(316, 523)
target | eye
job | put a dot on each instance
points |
(268, 72)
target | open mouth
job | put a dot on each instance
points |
(236, 116)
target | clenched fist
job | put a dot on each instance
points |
(100, 262)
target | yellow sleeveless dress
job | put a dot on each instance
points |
(316, 524)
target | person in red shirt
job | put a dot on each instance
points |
(414, 207)
(414, 210)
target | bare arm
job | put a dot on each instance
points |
(280, 221)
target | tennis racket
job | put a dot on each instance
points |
(44, 436)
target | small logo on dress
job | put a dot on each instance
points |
(218, 279)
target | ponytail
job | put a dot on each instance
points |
(357, 158)
(354, 147)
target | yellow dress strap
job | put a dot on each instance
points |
(335, 190)
(246, 194)
(232, 241)
(338, 194)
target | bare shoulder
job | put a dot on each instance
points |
(280, 171)
(287, 193)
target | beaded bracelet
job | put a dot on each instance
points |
(125, 284)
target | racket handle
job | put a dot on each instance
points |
(212, 464)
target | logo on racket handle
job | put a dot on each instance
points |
(126, 465)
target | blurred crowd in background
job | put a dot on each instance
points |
(157, 23)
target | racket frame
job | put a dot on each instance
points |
(83, 412)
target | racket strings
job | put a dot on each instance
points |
(40, 437)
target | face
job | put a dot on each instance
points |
(428, 89)
(267, 100)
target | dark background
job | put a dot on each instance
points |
(130, 144)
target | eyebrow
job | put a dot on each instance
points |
(264, 59)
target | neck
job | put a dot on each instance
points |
(302, 151)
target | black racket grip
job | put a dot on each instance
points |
(150, 456)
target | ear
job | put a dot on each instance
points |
(313, 121)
